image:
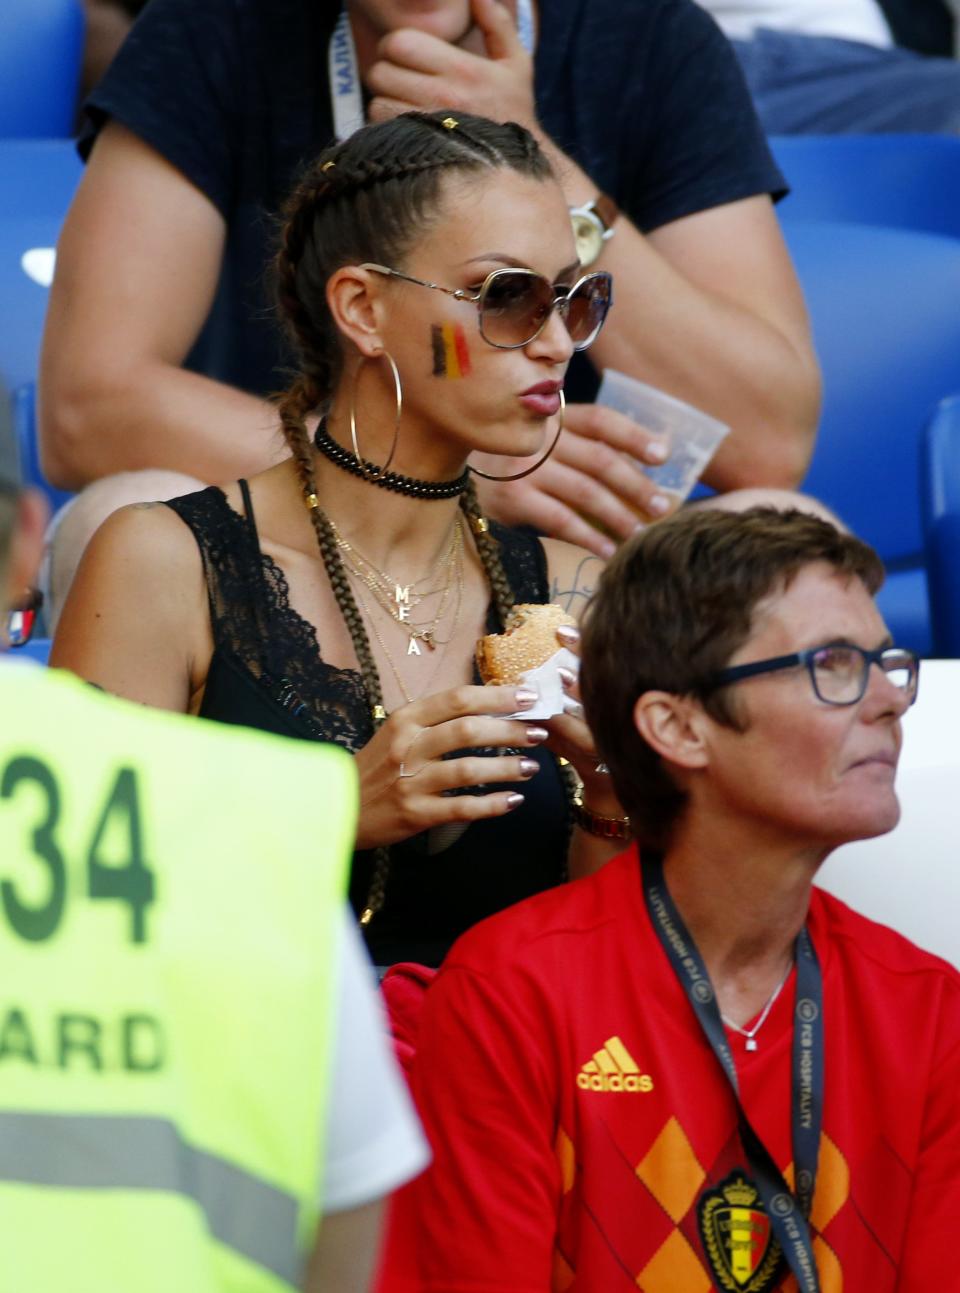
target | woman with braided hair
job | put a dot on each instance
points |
(428, 278)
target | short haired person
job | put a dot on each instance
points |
(212, 107)
(668, 1073)
(184, 1008)
(429, 280)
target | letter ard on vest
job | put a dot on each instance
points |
(170, 894)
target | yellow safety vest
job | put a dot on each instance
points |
(170, 895)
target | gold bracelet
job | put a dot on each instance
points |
(605, 828)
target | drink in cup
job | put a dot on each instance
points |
(692, 436)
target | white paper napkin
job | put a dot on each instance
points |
(546, 680)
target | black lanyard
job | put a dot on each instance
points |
(788, 1212)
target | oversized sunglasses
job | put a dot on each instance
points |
(838, 672)
(515, 304)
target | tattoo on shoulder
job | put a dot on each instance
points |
(145, 507)
(582, 585)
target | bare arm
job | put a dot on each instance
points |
(709, 309)
(136, 621)
(346, 1251)
(137, 268)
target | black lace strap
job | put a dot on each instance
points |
(260, 592)
(524, 563)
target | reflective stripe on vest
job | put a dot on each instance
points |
(172, 893)
(80, 1151)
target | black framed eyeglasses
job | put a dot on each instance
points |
(22, 618)
(838, 671)
(515, 304)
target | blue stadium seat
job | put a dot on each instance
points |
(904, 181)
(37, 649)
(37, 181)
(41, 50)
(25, 428)
(940, 476)
(886, 322)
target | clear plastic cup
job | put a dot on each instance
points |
(693, 436)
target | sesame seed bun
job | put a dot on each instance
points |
(530, 639)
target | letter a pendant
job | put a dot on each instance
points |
(413, 648)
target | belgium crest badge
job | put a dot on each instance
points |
(742, 1250)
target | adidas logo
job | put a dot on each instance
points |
(613, 1068)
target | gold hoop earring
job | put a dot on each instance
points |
(519, 475)
(376, 475)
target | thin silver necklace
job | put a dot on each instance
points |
(750, 1044)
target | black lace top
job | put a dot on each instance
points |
(267, 672)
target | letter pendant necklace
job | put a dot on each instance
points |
(750, 1034)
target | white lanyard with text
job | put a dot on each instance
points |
(788, 1212)
(346, 92)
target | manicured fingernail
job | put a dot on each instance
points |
(607, 549)
(514, 801)
(656, 452)
(568, 633)
(567, 676)
(658, 504)
(529, 767)
(535, 734)
(525, 697)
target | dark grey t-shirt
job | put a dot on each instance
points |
(645, 95)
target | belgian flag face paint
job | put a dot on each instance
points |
(451, 358)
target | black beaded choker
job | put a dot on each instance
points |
(326, 445)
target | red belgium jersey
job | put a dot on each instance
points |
(585, 1137)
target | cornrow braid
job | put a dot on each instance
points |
(488, 549)
(293, 406)
(368, 199)
(503, 597)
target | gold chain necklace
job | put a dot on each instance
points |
(388, 655)
(398, 606)
(385, 584)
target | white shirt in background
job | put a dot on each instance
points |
(374, 1142)
(861, 20)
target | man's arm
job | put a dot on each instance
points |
(137, 269)
(373, 1141)
(709, 309)
(345, 1252)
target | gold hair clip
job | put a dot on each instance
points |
(312, 501)
(328, 166)
(450, 123)
(479, 524)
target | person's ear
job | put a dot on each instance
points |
(26, 543)
(673, 726)
(355, 300)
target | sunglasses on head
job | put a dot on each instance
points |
(515, 304)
